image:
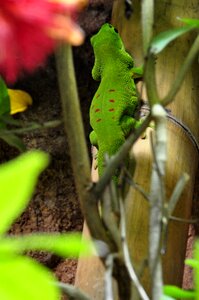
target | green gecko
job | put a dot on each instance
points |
(115, 102)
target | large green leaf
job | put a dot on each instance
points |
(17, 182)
(4, 99)
(160, 41)
(23, 279)
(66, 245)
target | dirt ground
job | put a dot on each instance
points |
(55, 207)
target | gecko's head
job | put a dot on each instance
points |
(107, 35)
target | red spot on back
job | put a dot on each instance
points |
(112, 100)
(111, 90)
(97, 109)
(98, 120)
(98, 96)
(111, 109)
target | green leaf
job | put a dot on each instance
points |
(66, 245)
(192, 22)
(18, 178)
(9, 120)
(21, 278)
(174, 291)
(160, 41)
(4, 98)
(13, 140)
(192, 263)
(137, 72)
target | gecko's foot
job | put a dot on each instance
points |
(95, 163)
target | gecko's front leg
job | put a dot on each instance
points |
(94, 143)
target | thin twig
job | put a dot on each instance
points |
(109, 217)
(72, 292)
(177, 219)
(126, 255)
(109, 277)
(136, 186)
(32, 127)
(177, 193)
(193, 53)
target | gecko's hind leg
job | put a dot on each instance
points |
(127, 124)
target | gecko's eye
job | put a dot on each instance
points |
(110, 26)
(115, 30)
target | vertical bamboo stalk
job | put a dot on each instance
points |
(182, 154)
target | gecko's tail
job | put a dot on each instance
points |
(107, 152)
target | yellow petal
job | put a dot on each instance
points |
(19, 101)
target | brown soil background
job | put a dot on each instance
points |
(54, 206)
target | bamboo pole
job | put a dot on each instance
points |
(182, 154)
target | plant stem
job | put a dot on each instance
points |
(150, 81)
(31, 127)
(193, 52)
(147, 23)
(157, 196)
(77, 144)
(72, 292)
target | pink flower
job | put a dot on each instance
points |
(30, 30)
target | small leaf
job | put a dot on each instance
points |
(137, 72)
(66, 245)
(4, 98)
(160, 41)
(192, 22)
(192, 263)
(13, 140)
(174, 291)
(22, 278)
(18, 178)
(19, 101)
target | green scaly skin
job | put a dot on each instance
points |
(115, 102)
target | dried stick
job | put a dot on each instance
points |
(72, 292)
